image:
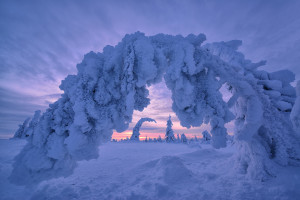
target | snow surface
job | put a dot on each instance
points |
(151, 171)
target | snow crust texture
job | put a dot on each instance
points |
(110, 85)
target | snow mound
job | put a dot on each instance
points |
(168, 168)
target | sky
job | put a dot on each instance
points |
(42, 41)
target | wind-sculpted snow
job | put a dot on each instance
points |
(136, 130)
(110, 85)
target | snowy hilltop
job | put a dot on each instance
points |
(110, 85)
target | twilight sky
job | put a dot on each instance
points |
(42, 41)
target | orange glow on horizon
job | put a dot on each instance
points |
(118, 136)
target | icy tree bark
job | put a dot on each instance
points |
(136, 130)
(110, 85)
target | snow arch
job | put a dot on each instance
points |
(136, 130)
(109, 86)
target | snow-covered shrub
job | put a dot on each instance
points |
(136, 130)
(110, 85)
(169, 131)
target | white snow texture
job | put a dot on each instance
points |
(110, 85)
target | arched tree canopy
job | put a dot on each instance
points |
(136, 130)
(110, 85)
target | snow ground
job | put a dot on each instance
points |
(151, 171)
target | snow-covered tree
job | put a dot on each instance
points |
(21, 132)
(183, 138)
(110, 85)
(136, 130)
(159, 139)
(178, 138)
(295, 114)
(206, 136)
(169, 137)
(24, 130)
(196, 139)
(33, 123)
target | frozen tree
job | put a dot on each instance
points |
(178, 138)
(136, 130)
(169, 131)
(295, 114)
(26, 131)
(183, 138)
(196, 139)
(21, 132)
(206, 136)
(159, 139)
(33, 123)
(110, 85)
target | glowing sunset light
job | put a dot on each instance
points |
(159, 109)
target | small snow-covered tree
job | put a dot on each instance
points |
(196, 139)
(169, 131)
(183, 138)
(178, 138)
(159, 139)
(206, 136)
(136, 130)
(295, 114)
(21, 132)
